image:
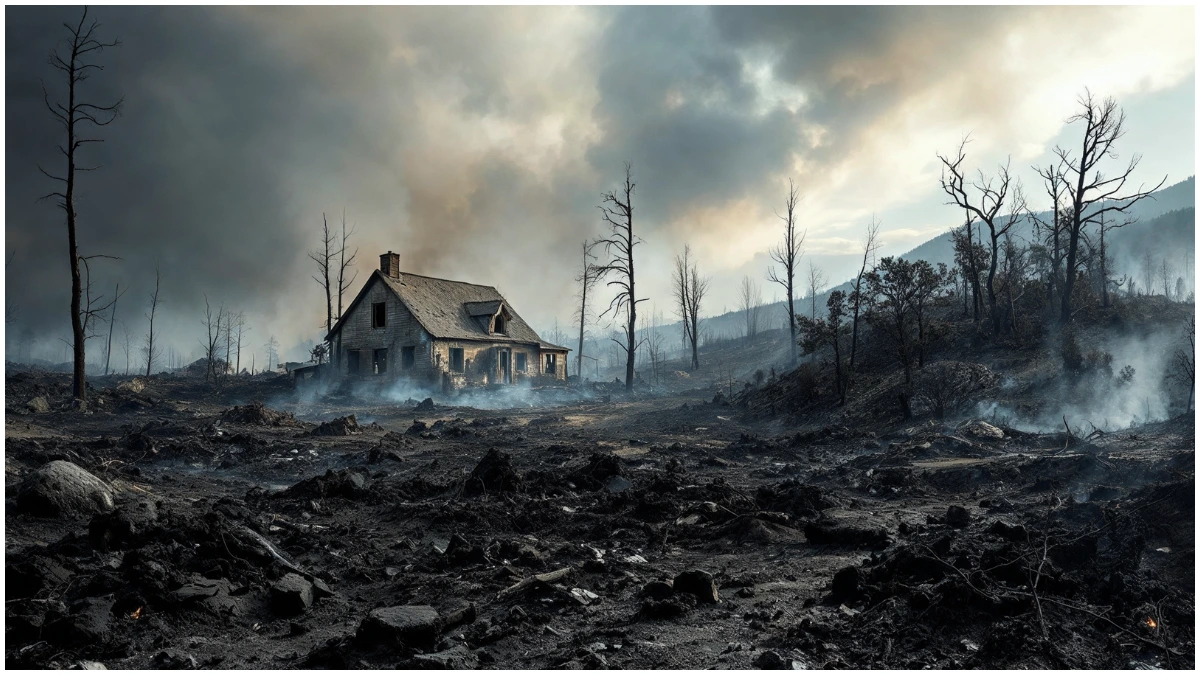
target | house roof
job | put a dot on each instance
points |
(448, 309)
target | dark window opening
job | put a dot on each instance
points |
(456, 359)
(500, 325)
(409, 356)
(551, 363)
(380, 361)
(379, 315)
(521, 363)
(352, 361)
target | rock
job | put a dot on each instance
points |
(980, 429)
(61, 488)
(676, 605)
(89, 665)
(460, 551)
(845, 583)
(770, 660)
(123, 528)
(32, 576)
(831, 533)
(1013, 533)
(493, 473)
(342, 483)
(425, 406)
(958, 517)
(340, 426)
(134, 386)
(618, 484)
(321, 589)
(171, 659)
(455, 658)
(699, 583)
(88, 623)
(291, 595)
(38, 404)
(658, 590)
(411, 625)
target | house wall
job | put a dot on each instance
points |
(484, 361)
(402, 330)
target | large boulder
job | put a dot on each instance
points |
(38, 404)
(409, 625)
(60, 489)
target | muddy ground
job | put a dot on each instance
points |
(665, 532)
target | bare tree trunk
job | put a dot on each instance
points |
(587, 275)
(71, 117)
(788, 254)
(112, 320)
(617, 211)
(150, 335)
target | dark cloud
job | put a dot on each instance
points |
(475, 141)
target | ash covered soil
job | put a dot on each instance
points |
(168, 527)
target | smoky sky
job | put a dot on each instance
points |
(476, 142)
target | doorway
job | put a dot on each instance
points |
(505, 366)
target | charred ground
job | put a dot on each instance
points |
(668, 531)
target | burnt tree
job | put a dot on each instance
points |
(787, 255)
(616, 209)
(77, 67)
(856, 295)
(324, 257)
(690, 290)
(344, 266)
(994, 193)
(586, 279)
(152, 351)
(1091, 193)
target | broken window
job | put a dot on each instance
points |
(456, 359)
(500, 324)
(520, 363)
(352, 361)
(379, 315)
(551, 363)
(380, 361)
(409, 356)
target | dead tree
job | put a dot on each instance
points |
(1165, 272)
(750, 303)
(787, 255)
(928, 282)
(212, 326)
(151, 350)
(1101, 256)
(272, 347)
(690, 290)
(586, 279)
(994, 193)
(1091, 193)
(240, 323)
(126, 345)
(617, 211)
(827, 332)
(112, 320)
(323, 259)
(1055, 183)
(856, 296)
(344, 265)
(816, 284)
(77, 68)
(1148, 272)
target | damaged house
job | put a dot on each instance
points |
(438, 332)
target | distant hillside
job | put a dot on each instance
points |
(1166, 227)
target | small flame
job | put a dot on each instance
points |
(1151, 623)
(137, 613)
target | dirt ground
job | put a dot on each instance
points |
(659, 532)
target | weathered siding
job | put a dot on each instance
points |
(402, 330)
(481, 361)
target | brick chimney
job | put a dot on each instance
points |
(389, 264)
